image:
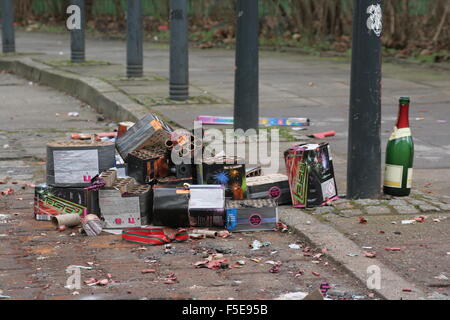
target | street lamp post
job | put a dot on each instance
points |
(135, 56)
(364, 145)
(77, 41)
(179, 58)
(246, 85)
(8, 37)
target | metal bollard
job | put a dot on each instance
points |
(8, 36)
(135, 37)
(364, 144)
(246, 85)
(179, 55)
(77, 39)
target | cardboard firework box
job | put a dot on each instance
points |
(311, 174)
(50, 201)
(227, 171)
(145, 165)
(272, 186)
(126, 204)
(149, 131)
(251, 215)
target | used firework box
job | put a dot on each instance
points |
(311, 175)
(189, 206)
(227, 171)
(207, 206)
(50, 201)
(272, 186)
(74, 163)
(251, 215)
(145, 165)
(149, 131)
(125, 204)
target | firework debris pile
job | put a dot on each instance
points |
(146, 175)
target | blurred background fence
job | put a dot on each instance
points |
(423, 24)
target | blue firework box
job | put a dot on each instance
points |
(251, 215)
(226, 171)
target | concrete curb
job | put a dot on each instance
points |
(102, 96)
(324, 236)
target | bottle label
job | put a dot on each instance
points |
(393, 175)
(400, 133)
(409, 180)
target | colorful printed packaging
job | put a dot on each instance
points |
(50, 201)
(311, 175)
(227, 171)
(251, 215)
(272, 186)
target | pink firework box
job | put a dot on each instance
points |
(311, 175)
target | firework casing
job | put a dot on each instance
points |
(123, 127)
(146, 165)
(126, 204)
(181, 170)
(311, 175)
(227, 171)
(50, 201)
(172, 181)
(74, 163)
(170, 207)
(253, 171)
(207, 206)
(149, 131)
(251, 215)
(273, 186)
(194, 206)
(68, 220)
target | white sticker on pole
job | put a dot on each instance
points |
(375, 20)
(75, 166)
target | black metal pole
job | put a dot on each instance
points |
(364, 145)
(77, 42)
(179, 58)
(8, 37)
(246, 85)
(135, 37)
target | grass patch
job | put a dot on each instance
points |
(68, 63)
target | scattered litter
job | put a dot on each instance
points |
(441, 121)
(292, 296)
(7, 191)
(276, 267)
(441, 277)
(407, 290)
(148, 271)
(362, 220)
(256, 244)
(317, 274)
(352, 254)
(322, 135)
(257, 260)
(420, 118)
(408, 221)
(420, 219)
(73, 114)
(369, 254)
(281, 227)
(295, 246)
(367, 248)
(393, 249)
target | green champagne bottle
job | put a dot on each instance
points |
(399, 155)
